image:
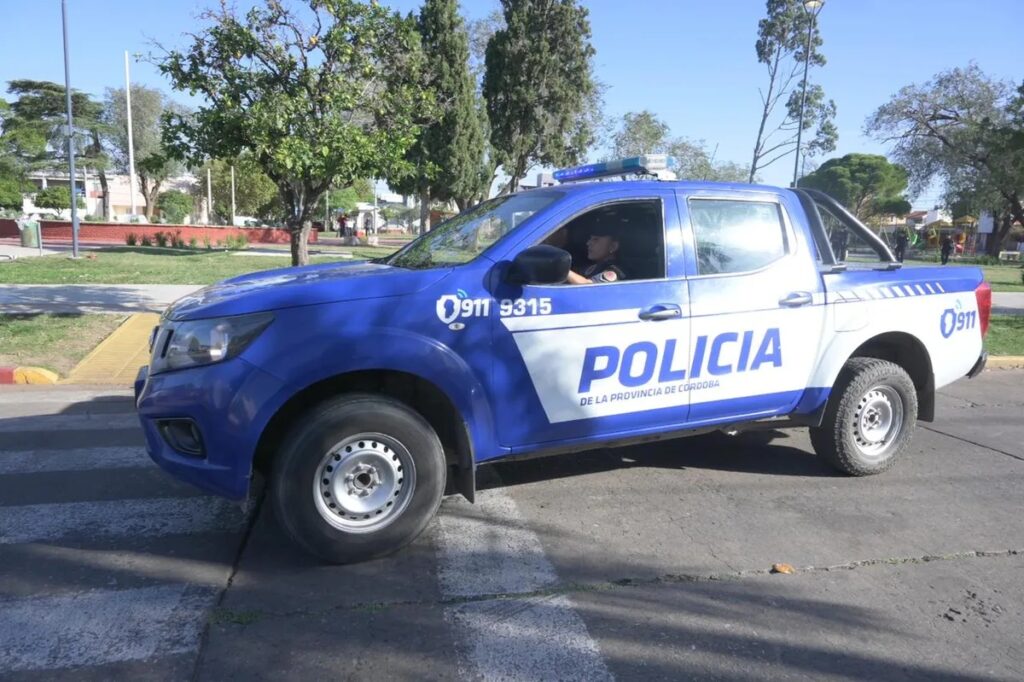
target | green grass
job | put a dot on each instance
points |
(1005, 335)
(139, 265)
(55, 342)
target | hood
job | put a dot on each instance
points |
(309, 285)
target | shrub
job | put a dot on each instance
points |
(161, 238)
(206, 242)
(192, 243)
(177, 241)
(236, 242)
(94, 219)
(146, 241)
(174, 205)
(131, 239)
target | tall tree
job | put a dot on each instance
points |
(866, 184)
(152, 165)
(446, 158)
(537, 83)
(782, 42)
(255, 194)
(319, 100)
(33, 131)
(967, 130)
(640, 133)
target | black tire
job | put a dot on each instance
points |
(299, 464)
(841, 441)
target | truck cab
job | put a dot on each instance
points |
(364, 392)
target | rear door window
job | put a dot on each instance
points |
(734, 236)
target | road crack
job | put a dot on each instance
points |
(971, 442)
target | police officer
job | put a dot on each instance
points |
(901, 244)
(603, 253)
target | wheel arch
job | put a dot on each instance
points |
(907, 351)
(416, 392)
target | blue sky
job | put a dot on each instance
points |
(690, 62)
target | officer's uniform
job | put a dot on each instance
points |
(604, 271)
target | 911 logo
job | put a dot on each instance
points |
(955, 320)
(452, 307)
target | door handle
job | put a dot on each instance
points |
(796, 298)
(662, 311)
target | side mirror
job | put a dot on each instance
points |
(541, 264)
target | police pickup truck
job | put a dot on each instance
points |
(559, 319)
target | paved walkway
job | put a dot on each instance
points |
(12, 251)
(90, 298)
(1008, 303)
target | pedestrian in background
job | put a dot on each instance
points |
(947, 248)
(901, 244)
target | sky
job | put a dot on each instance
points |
(690, 62)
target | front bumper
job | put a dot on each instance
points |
(979, 365)
(230, 402)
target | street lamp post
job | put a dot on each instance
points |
(812, 9)
(70, 132)
(131, 143)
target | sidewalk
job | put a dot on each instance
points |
(90, 298)
(1007, 303)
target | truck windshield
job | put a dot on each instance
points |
(464, 237)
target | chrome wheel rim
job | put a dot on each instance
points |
(364, 483)
(877, 421)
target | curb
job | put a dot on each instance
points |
(27, 375)
(1005, 362)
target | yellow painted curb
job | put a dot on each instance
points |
(1005, 362)
(34, 375)
(116, 360)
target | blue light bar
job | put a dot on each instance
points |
(649, 164)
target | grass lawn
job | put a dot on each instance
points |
(55, 342)
(139, 265)
(1005, 335)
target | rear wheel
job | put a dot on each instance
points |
(870, 417)
(359, 478)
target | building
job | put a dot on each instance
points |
(88, 186)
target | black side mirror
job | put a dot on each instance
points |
(541, 264)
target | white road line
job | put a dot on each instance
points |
(68, 422)
(117, 518)
(485, 549)
(83, 459)
(101, 626)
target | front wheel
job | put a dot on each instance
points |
(359, 478)
(870, 417)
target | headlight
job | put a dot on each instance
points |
(203, 342)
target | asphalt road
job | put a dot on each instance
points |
(641, 563)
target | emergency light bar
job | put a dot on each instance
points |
(657, 165)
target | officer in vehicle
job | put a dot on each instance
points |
(603, 252)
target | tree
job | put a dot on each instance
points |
(58, 198)
(347, 198)
(152, 165)
(537, 82)
(446, 158)
(641, 133)
(644, 133)
(782, 47)
(174, 205)
(964, 129)
(33, 132)
(10, 193)
(866, 184)
(319, 101)
(255, 194)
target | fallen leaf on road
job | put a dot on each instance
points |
(783, 568)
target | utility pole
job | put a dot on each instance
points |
(209, 198)
(811, 8)
(131, 144)
(70, 130)
(232, 196)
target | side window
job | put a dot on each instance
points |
(736, 236)
(634, 231)
(847, 245)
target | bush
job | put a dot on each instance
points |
(57, 198)
(94, 219)
(206, 242)
(174, 205)
(236, 242)
(161, 238)
(177, 241)
(146, 241)
(192, 243)
(131, 239)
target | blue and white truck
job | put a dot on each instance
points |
(365, 391)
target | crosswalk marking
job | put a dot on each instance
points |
(83, 459)
(101, 626)
(117, 518)
(486, 549)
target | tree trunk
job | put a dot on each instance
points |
(300, 242)
(106, 195)
(424, 212)
(999, 232)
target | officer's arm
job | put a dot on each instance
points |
(573, 278)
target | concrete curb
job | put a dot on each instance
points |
(1005, 362)
(27, 375)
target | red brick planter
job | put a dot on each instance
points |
(117, 233)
